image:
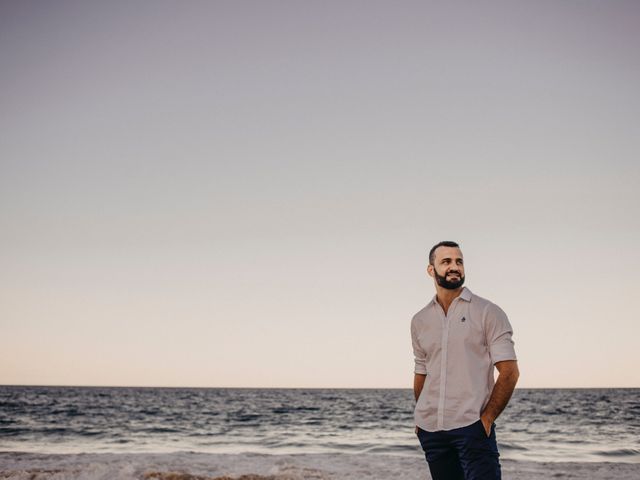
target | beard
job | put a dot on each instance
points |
(448, 284)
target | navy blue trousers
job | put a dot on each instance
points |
(464, 453)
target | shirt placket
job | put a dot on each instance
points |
(443, 363)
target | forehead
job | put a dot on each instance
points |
(447, 252)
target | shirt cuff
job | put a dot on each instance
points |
(501, 352)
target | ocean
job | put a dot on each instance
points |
(41, 427)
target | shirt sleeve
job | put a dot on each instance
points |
(419, 354)
(498, 332)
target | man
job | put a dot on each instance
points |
(457, 339)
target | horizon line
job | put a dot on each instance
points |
(284, 388)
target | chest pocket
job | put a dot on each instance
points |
(468, 329)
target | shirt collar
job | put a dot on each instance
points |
(464, 295)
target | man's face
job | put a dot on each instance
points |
(448, 267)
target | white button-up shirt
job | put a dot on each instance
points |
(457, 352)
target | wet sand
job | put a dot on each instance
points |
(203, 466)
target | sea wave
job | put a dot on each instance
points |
(512, 446)
(620, 452)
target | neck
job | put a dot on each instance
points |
(446, 297)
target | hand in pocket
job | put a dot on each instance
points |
(486, 426)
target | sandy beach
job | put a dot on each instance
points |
(203, 466)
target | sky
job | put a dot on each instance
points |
(244, 193)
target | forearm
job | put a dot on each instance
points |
(418, 384)
(502, 391)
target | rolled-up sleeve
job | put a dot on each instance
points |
(498, 332)
(419, 354)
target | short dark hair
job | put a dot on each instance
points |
(446, 243)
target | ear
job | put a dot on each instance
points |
(430, 270)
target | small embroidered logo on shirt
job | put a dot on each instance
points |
(463, 319)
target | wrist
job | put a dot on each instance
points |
(487, 418)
